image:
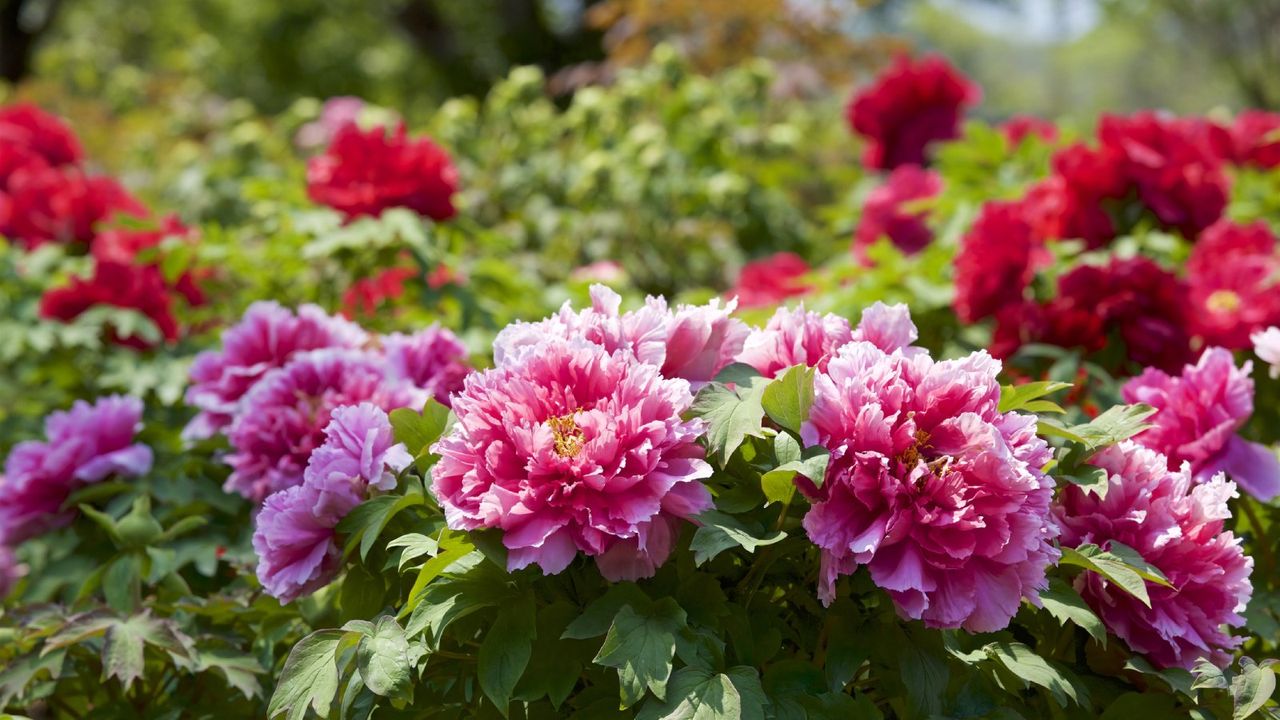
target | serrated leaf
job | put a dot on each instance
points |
(309, 678)
(788, 398)
(383, 659)
(640, 644)
(731, 415)
(719, 532)
(1065, 604)
(506, 649)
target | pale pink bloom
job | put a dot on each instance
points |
(84, 445)
(336, 113)
(433, 359)
(1198, 415)
(1176, 525)
(692, 342)
(569, 447)
(1266, 343)
(282, 419)
(601, 271)
(938, 494)
(888, 327)
(266, 338)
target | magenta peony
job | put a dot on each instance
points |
(569, 447)
(892, 210)
(1198, 414)
(940, 496)
(690, 342)
(360, 449)
(1266, 343)
(266, 338)
(84, 445)
(433, 359)
(283, 417)
(1176, 525)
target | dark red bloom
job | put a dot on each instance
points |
(1017, 128)
(909, 106)
(367, 295)
(888, 211)
(1257, 138)
(1178, 175)
(771, 280)
(996, 261)
(123, 244)
(27, 126)
(365, 172)
(62, 205)
(123, 285)
(1234, 276)
(1069, 204)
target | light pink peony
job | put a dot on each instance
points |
(567, 446)
(692, 342)
(1266, 343)
(1176, 525)
(294, 536)
(796, 337)
(937, 493)
(265, 338)
(282, 419)
(1198, 414)
(433, 359)
(85, 444)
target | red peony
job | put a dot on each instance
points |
(1256, 136)
(1019, 127)
(365, 172)
(123, 285)
(888, 212)
(771, 280)
(33, 130)
(996, 261)
(1234, 276)
(62, 205)
(909, 106)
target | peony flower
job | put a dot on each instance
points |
(83, 445)
(1070, 203)
(433, 359)
(1198, 415)
(888, 211)
(1176, 525)
(281, 420)
(1019, 127)
(690, 342)
(266, 338)
(367, 171)
(1266, 344)
(771, 280)
(63, 205)
(569, 447)
(600, 271)
(366, 296)
(1256, 136)
(996, 261)
(294, 532)
(795, 337)
(132, 287)
(27, 128)
(908, 107)
(1234, 279)
(940, 496)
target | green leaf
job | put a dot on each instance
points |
(455, 596)
(419, 431)
(1140, 705)
(366, 521)
(641, 644)
(452, 549)
(788, 398)
(239, 670)
(778, 484)
(1117, 424)
(1090, 479)
(697, 694)
(1022, 397)
(598, 616)
(415, 546)
(122, 583)
(383, 659)
(1134, 559)
(19, 672)
(104, 521)
(362, 593)
(506, 649)
(1114, 568)
(731, 414)
(925, 676)
(309, 678)
(719, 532)
(122, 648)
(1064, 603)
(1251, 688)
(1031, 668)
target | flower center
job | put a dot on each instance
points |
(911, 456)
(569, 437)
(1223, 301)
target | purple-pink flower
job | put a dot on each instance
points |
(1198, 414)
(1176, 525)
(566, 447)
(434, 360)
(692, 342)
(1266, 344)
(266, 338)
(84, 445)
(283, 417)
(928, 485)
(294, 536)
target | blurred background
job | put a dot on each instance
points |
(1066, 59)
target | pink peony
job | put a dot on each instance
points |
(1176, 525)
(294, 535)
(797, 337)
(889, 212)
(1266, 343)
(1198, 414)
(433, 359)
(1257, 138)
(937, 493)
(266, 338)
(336, 113)
(692, 342)
(84, 445)
(567, 446)
(1233, 276)
(282, 419)
(771, 280)
(1020, 127)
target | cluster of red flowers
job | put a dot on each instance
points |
(771, 280)
(1174, 171)
(47, 196)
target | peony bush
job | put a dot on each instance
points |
(650, 406)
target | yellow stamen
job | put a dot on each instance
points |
(1223, 301)
(569, 438)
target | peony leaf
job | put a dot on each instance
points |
(1024, 397)
(1251, 688)
(641, 645)
(788, 399)
(506, 649)
(1126, 569)
(719, 532)
(598, 616)
(309, 678)
(1031, 668)
(731, 414)
(1117, 424)
(419, 431)
(382, 658)
(1064, 603)
(697, 694)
